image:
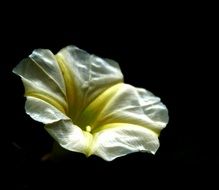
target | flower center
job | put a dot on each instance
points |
(88, 128)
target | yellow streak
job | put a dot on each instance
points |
(89, 143)
(126, 125)
(93, 111)
(48, 99)
(69, 84)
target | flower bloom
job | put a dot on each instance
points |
(85, 105)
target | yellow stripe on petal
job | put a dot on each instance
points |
(90, 115)
(114, 125)
(69, 83)
(48, 99)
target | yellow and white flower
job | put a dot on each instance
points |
(85, 105)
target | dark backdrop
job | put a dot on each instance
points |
(156, 52)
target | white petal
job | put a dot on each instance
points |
(46, 60)
(153, 108)
(42, 77)
(88, 74)
(42, 111)
(70, 80)
(70, 136)
(125, 119)
(119, 139)
(127, 104)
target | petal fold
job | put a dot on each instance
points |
(119, 139)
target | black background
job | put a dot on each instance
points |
(159, 51)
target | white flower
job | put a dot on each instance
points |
(85, 105)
